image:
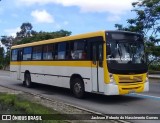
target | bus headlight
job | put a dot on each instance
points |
(112, 81)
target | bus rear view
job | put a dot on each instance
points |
(126, 63)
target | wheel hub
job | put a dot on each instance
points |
(77, 87)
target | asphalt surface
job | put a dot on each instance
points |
(144, 103)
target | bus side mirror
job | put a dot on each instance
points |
(108, 49)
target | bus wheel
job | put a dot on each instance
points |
(78, 88)
(28, 82)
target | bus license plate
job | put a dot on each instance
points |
(132, 91)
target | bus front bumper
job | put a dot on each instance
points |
(113, 89)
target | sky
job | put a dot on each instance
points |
(77, 16)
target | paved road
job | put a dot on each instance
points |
(145, 103)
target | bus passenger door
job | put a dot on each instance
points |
(19, 59)
(97, 66)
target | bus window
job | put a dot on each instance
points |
(47, 52)
(27, 53)
(61, 50)
(80, 50)
(37, 53)
(14, 55)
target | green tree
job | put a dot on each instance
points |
(26, 30)
(44, 36)
(147, 21)
(1, 57)
(7, 41)
(7, 59)
(26, 35)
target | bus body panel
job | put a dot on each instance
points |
(54, 75)
(14, 72)
(97, 80)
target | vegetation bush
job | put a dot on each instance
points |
(154, 67)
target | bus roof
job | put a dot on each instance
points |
(121, 31)
(67, 38)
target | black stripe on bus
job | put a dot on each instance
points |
(13, 71)
(55, 75)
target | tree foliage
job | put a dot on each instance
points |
(7, 41)
(1, 57)
(148, 17)
(26, 30)
(147, 20)
(26, 35)
(44, 36)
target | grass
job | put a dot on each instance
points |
(16, 104)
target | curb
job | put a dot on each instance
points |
(154, 76)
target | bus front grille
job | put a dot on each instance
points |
(133, 88)
(130, 79)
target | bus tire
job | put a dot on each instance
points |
(78, 88)
(27, 81)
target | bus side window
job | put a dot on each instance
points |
(27, 53)
(14, 55)
(80, 49)
(61, 50)
(47, 52)
(37, 53)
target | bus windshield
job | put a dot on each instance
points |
(126, 52)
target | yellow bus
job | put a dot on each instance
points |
(103, 62)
